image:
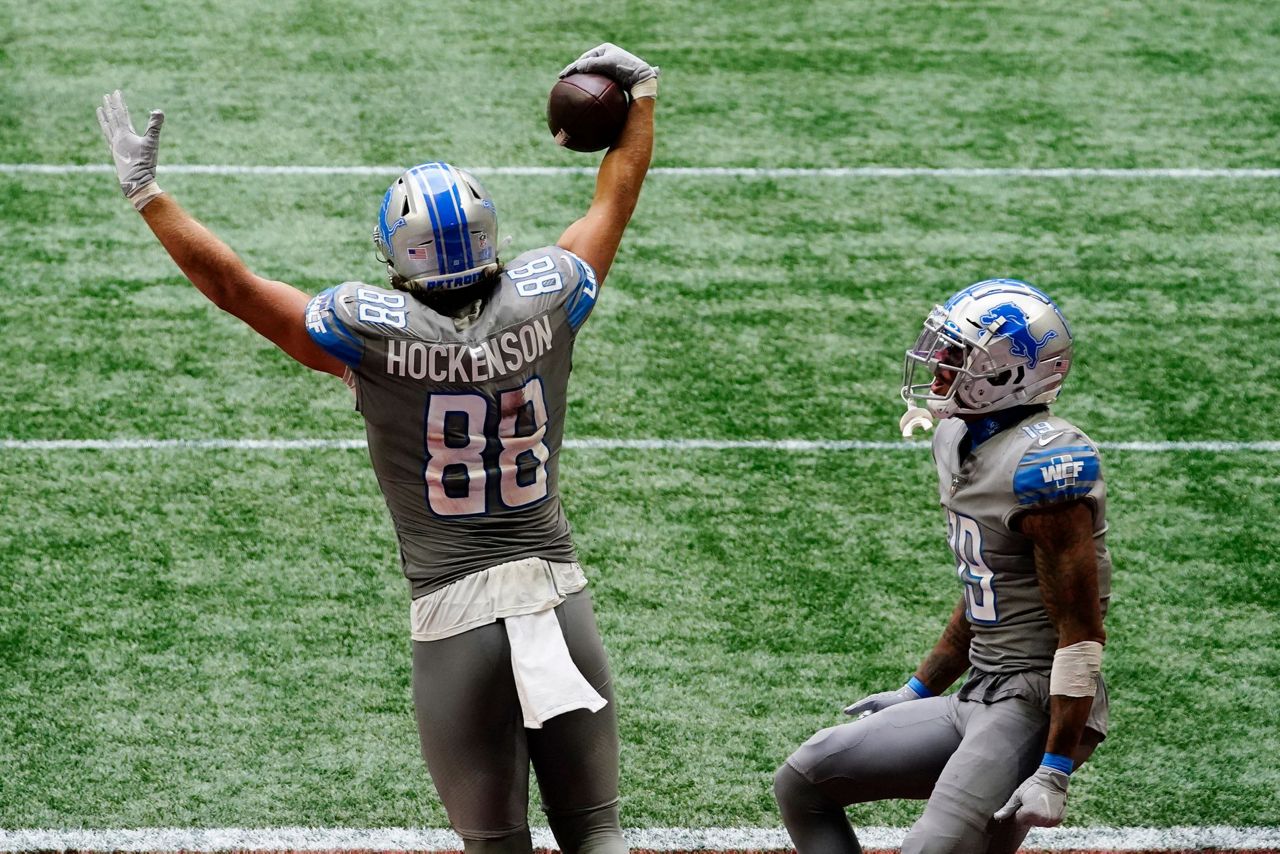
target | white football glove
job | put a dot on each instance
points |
(135, 156)
(1041, 800)
(626, 68)
(876, 702)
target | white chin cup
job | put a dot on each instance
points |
(913, 419)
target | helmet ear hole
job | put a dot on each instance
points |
(1004, 377)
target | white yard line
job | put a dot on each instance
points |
(1191, 173)
(661, 839)
(785, 445)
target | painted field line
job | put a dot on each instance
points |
(875, 172)
(793, 445)
(652, 839)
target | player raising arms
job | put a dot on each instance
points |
(460, 370)
(1025, 507)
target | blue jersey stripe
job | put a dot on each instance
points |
(327, 330)
(1061, 475)
(1035, 454)
(585, 292)
(1051, 495)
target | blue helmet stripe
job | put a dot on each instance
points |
(464, 233)
(450, 223)
(436, 242)
(1016, 284)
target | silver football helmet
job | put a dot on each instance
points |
(996, 344)
(437, 229)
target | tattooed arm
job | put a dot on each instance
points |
(949, 658)
(1067, 570)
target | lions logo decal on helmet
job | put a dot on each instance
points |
(1023, 343)
(996, 344)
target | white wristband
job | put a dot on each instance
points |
(645, 89)
(144, 195)
(1075, 670)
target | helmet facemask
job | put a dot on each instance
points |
(938, 367)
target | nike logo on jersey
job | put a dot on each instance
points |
(1044, 440)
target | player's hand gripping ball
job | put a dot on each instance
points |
(586, 112)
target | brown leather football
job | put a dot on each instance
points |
(586, 112)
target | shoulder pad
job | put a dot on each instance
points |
(327, 327)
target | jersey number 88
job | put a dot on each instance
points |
(457, 471)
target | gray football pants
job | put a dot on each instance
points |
(478, 751)
(966, 758)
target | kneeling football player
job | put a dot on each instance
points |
(1025, 508)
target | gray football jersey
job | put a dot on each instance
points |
(464, 426)
(1038, 461)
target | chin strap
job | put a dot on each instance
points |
(914, 419)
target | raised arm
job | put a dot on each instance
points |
(273, 309)
(1067, 571)
(596, 236)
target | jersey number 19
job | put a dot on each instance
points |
(966, 541)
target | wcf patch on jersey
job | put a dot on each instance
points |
(319, 304)
(1055, 474)
(1062, 471)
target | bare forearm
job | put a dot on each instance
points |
(1067, 718)
(624, 167)
(209, 263)
(596, 235)
(1067, 571)
(949, 657)
(273, 309)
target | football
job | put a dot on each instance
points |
(586, 112)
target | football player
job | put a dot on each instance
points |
(459, 366)
(1025, 507)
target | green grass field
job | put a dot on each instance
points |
(219, 637)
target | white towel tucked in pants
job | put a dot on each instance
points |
(548, 683)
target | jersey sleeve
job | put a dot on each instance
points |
(552, 276)
(346, 318)
(1068, 469)
(330, 329)
(583, 291)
